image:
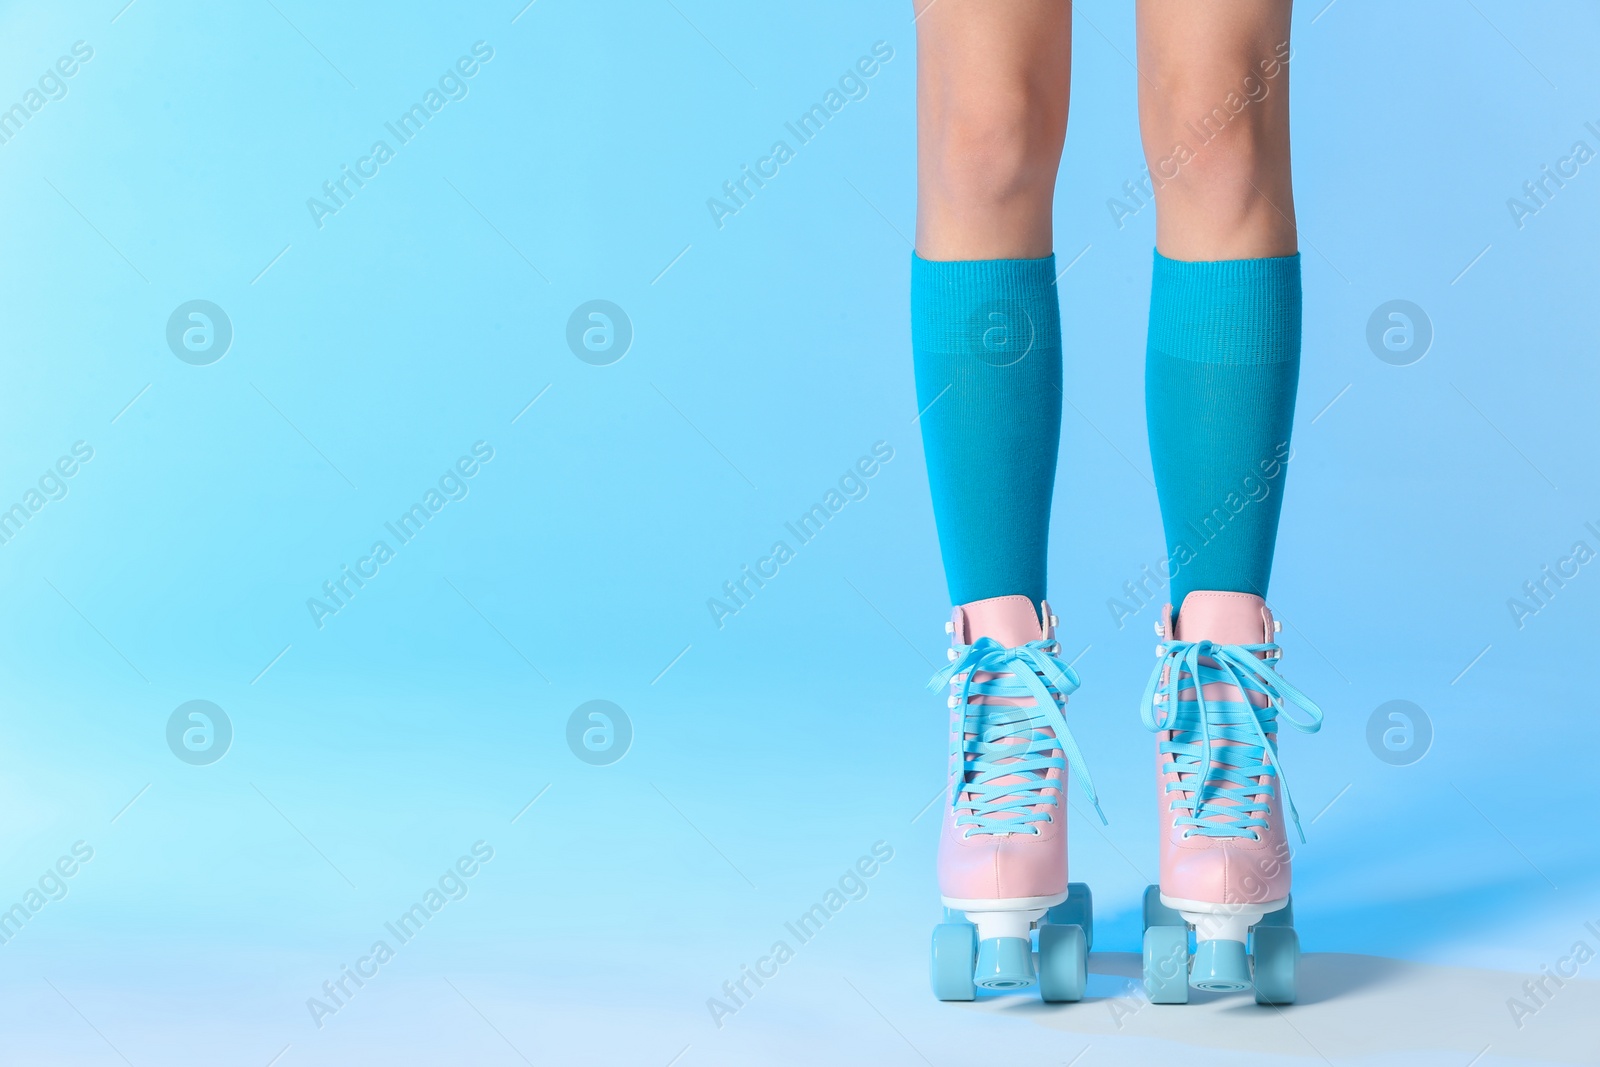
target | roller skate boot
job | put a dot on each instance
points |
(1214, 702)
(1003, 846)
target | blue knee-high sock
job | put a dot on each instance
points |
(986, 344)
(1220, 375)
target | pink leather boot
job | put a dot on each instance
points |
(1214, 702)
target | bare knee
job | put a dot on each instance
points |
(987, 168)
(1216, 141)
(988, 152)
(1222, 177)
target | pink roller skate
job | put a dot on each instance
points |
(1003, 848)
(1214, 702)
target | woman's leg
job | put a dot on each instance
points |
(1224, 343)
(992, 79)
(992, 83)
(1220, 375)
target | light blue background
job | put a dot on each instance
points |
(768, 355)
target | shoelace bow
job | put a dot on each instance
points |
(1251, 732)
(1009, 741)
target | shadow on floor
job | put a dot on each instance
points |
(1350, 1006)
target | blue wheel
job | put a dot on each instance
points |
(1277, 959)
(1166, 964)
(1004, 964)
(1157, 913)
(1076, 910)
(955, 953)
(1063, 962)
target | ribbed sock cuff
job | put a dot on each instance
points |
(960, 307)
(1226, 311)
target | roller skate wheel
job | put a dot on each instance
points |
(1166, 964)
(1276, 963)
(955, 954)
(1004, 963)
(1220, 966)
(1076, 910)
(1063, 962)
